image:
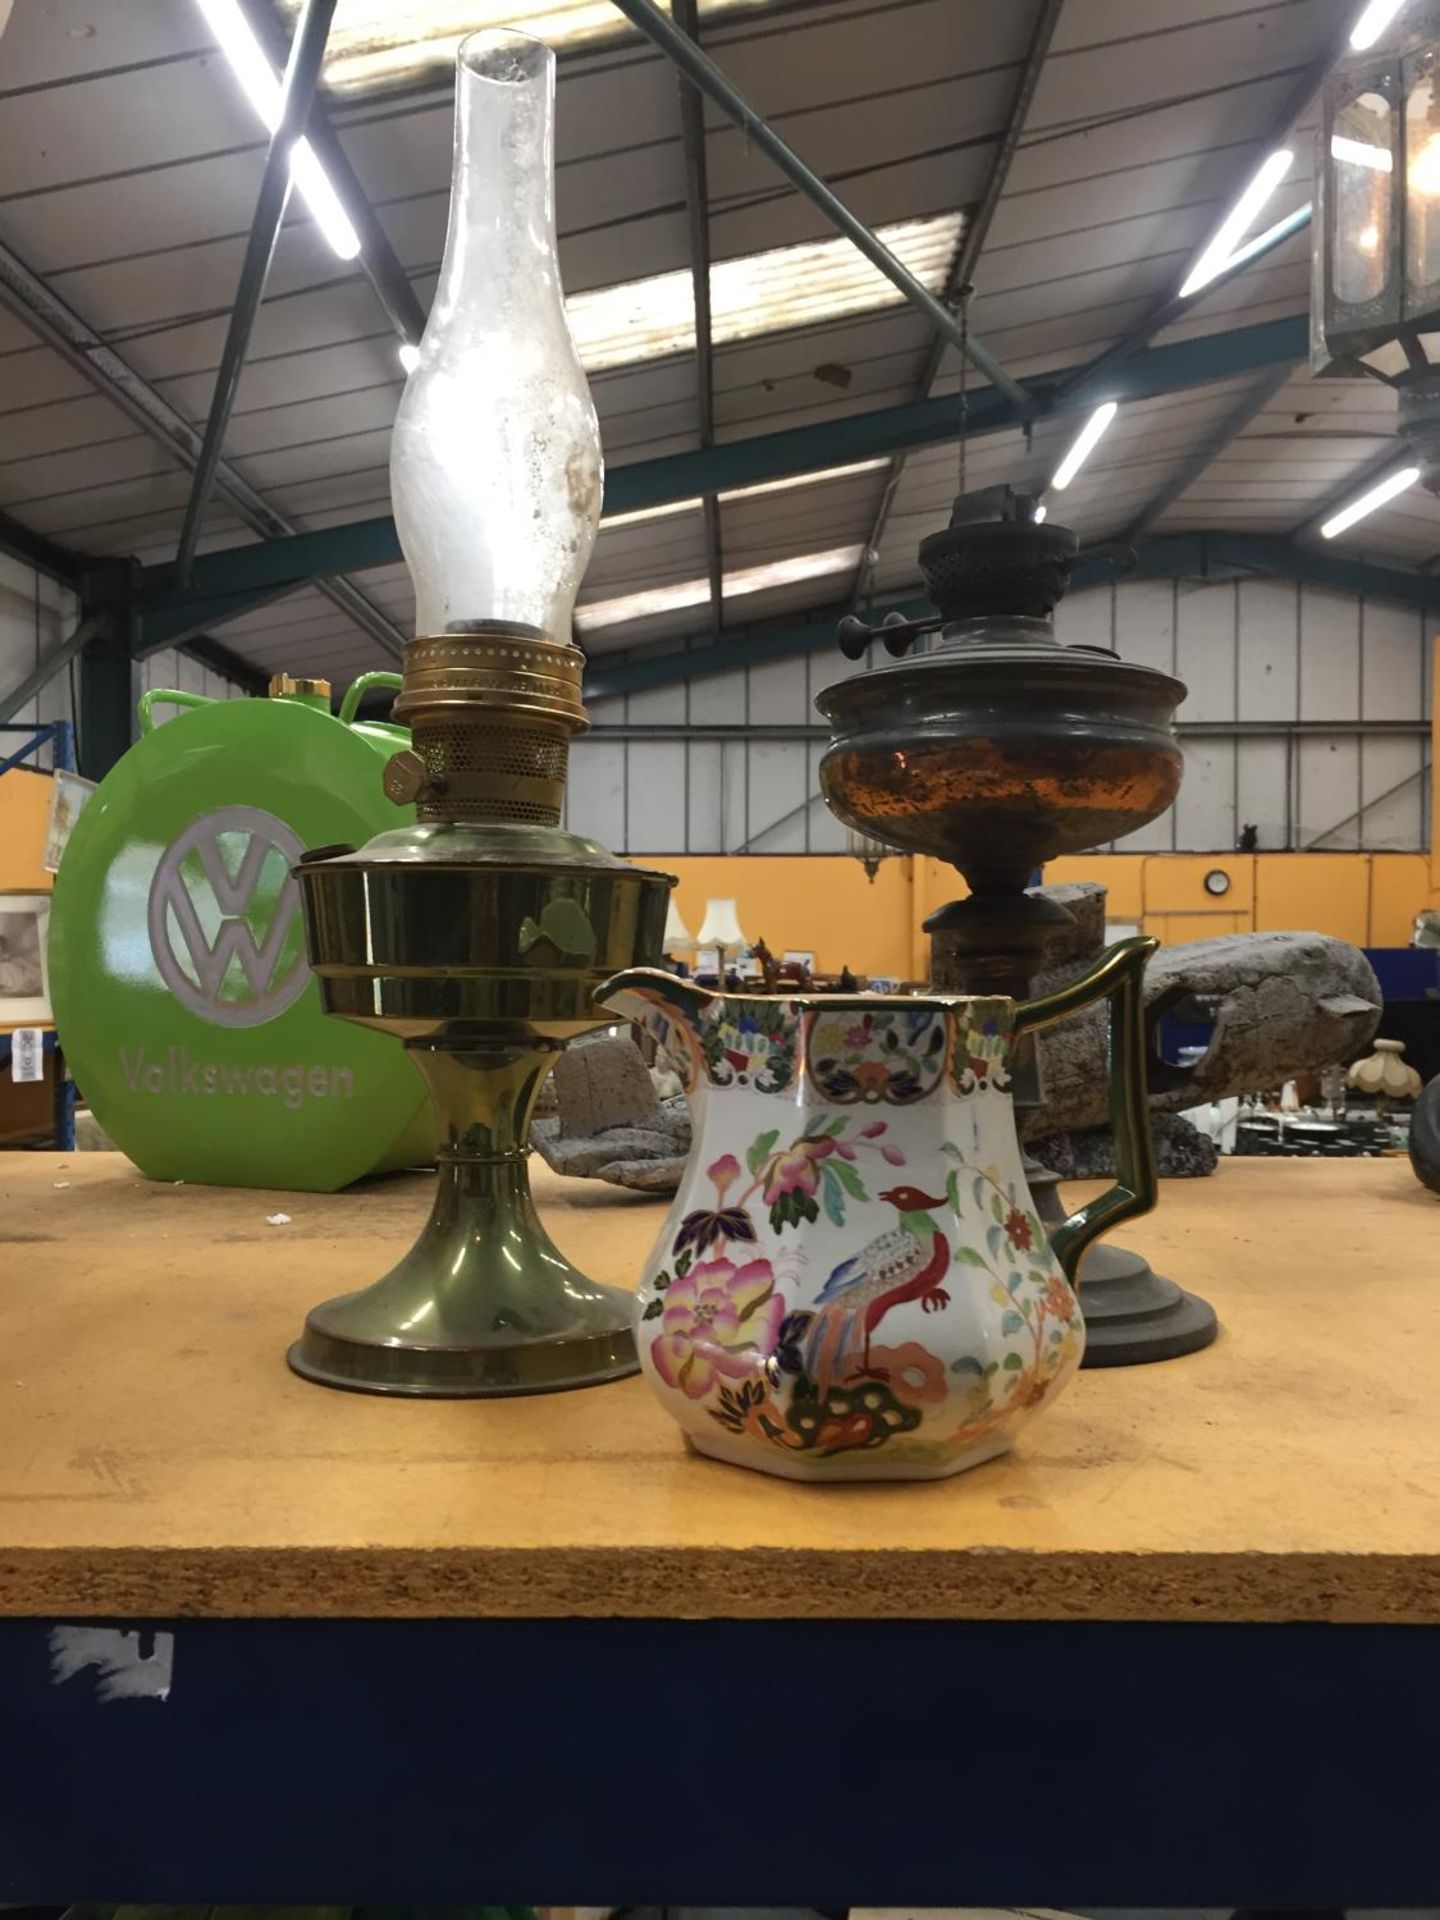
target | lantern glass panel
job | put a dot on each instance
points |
(1389, 359)
(1422, 179)
(1361, 167)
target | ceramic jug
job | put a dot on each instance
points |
(852, 1283)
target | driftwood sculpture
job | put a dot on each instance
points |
(1285, 1003)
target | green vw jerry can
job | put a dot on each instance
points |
(183, 1001)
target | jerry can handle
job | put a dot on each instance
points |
(361, 685)
(1119, 977)
(168, 697)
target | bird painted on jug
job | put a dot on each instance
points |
(906, 1263)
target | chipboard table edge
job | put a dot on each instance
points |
(697, 1583)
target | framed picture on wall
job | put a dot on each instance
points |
(799, 957)
(24, 965)
(68, 794)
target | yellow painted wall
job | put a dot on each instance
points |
(825, 904)
(819, 904)
(24, 811)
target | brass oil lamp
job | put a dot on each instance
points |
(997, 750)
(478, 935)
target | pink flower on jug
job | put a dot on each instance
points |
(724, 1172)
(797, 1169)
(719, 1320)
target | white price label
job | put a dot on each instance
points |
(27, 1054)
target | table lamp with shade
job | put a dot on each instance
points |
(721, 929)
(678, 937)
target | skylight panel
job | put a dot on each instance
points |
(787, 485)
(759, 293)
(389, 44)
(694, 593)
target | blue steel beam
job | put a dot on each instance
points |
(177, 624)
(1185, 556)
(297, 92)
(769, 456)
(46, 556)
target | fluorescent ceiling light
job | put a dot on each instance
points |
(379, 43)
(760, 293)
(790, 481)
(1040, 513)
(1367, 503)
(1373, 22)
(1360, 153)
(262, 88)
(1083, 446)
(1216, 256)
(694, 593)
(409, 355)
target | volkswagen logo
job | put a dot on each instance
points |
(223, 917)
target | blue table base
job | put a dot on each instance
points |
(823, 1764)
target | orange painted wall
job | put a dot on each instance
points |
(825, 904)
(816, 904)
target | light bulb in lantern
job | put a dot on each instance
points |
(1422, 174)
(495, 467)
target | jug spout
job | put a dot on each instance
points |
(658, 1001)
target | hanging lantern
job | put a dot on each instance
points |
(1375, 306)
(869, 851)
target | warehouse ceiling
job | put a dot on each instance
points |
(130, 162)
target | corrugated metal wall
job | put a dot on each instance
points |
(173, 669)
(36, 612)
(1292, 669)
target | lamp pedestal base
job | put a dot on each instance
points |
(484, 1303)
(1133, 1315)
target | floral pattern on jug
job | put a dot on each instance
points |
(840, 1292)
(891, 1054)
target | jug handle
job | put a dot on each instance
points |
(1119, 977)
(168, 697)
(361, 685)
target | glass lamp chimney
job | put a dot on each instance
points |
(495, 465)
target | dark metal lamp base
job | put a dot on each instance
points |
(1134, 1315)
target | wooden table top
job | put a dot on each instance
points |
(157, 1457)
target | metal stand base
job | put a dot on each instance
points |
(1133, 1315)
(484, 1303)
